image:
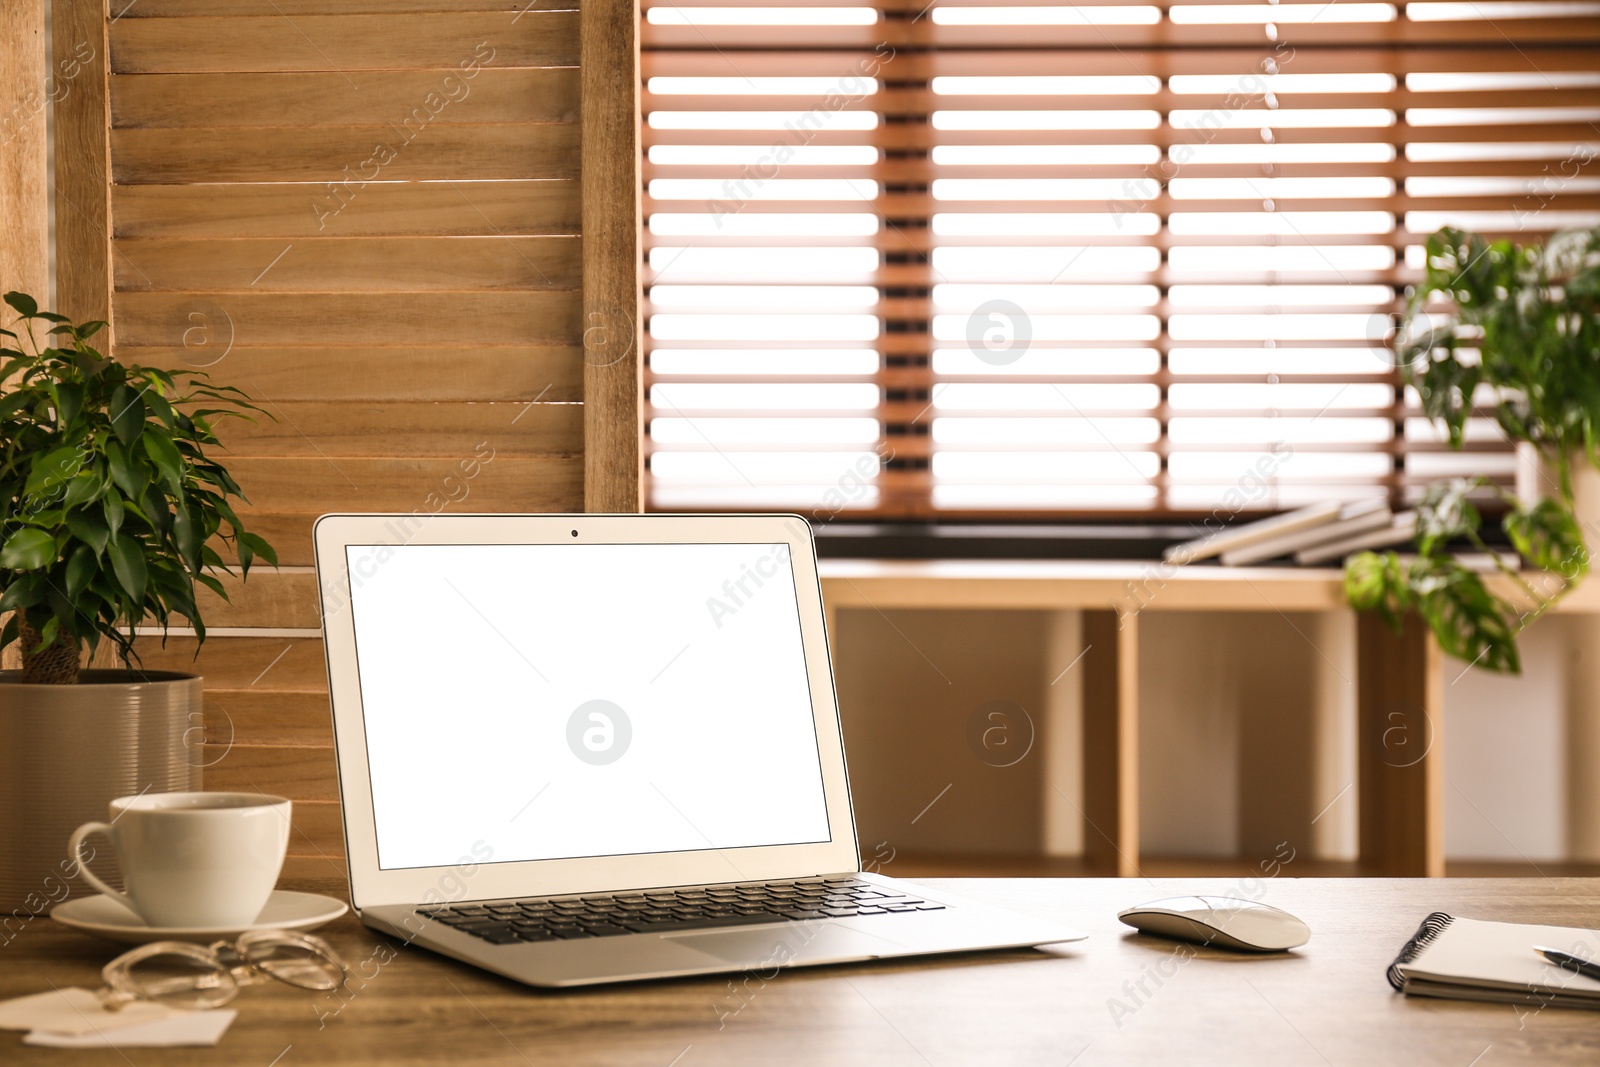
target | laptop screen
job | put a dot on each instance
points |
(556, 701)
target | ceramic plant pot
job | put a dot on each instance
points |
(66, 751)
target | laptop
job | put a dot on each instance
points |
(577, 749)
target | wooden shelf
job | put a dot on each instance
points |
(1127, 586)
(1399, 681)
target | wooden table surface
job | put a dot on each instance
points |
(1117, 998)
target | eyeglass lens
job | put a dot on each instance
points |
(179, 981)
(297, 959)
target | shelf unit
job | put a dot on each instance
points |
(1401, 829)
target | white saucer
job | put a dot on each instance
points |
(285, 910)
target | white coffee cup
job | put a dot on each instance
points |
(199, 860)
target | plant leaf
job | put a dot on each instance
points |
(1548, 537)
(51, 472)
(212, 584)
(1471, 623)
(19, 398)
(186, 537)
(69, 403)
(164, 454)
(163, 410)
(25, 592)
(88, 527)
(80, 568)
(126, 472)
(115, 512)
(1374, 582)
(127, 414)
(1445, 513)
(258, 547)
(83, 488)
(28, 550)
(22, 304)
(127, 562)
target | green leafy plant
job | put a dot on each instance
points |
(112, 502)
(1523, 321)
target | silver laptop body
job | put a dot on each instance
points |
(577, 749)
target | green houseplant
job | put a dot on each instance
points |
(111, 499)
(114, 508)
(1522, 322)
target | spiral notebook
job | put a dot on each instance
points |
(1470, 959)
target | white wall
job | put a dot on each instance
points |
(1505, 769)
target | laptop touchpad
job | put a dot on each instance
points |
(762, 949)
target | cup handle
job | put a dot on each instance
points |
(74, 849)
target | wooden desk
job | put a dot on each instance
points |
(1326, 1004)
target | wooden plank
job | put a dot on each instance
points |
(261, 664)
(1052, 585)
(263, 717)
(352, 156)
(612, 384)
(28, 81)
(454, 208)
(135, 9)
(345, 43)
(437, 373)
(483, 433)
(1111, 742)
(82, 169)
(348, 264)
(406, 484)
(325, 99)
(1400, 755)
(299, 772)
(317, 830)
(267, 599)
(323, 319)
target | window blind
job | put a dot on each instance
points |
(1028, 260)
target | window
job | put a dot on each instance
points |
(1029, 260)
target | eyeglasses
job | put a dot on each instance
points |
(182, 975)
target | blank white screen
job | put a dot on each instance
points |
(473, 660)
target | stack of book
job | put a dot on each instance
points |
(1321, 533)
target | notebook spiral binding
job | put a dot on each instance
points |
(1430, 929)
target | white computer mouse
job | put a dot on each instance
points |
(1226, 922)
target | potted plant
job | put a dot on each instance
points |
(1521, 322)
(113, 507)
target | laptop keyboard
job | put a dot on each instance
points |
(658, 911)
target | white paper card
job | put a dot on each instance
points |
(75, 1011)
(182, 1028)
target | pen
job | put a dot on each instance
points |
(1568, 962)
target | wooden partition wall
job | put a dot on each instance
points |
(26, 86)
(409, 230)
